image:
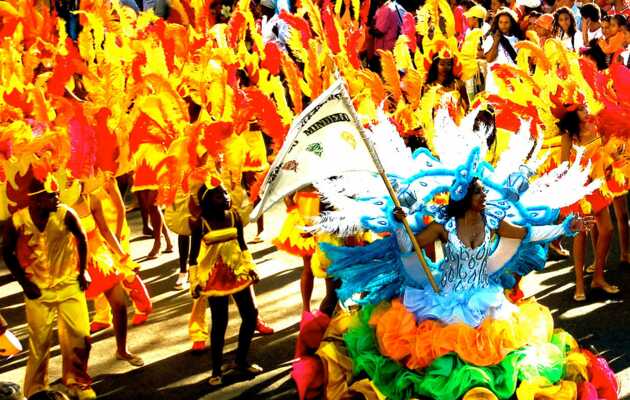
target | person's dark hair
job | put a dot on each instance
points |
(432, 76)
(570, 124)
(205, 196)
(515, 29)
(605, 18)
(555, 30)
(620, 19)
(10, 391)
(594, 52)
(35, 185)
(591, 11)
(49, 395)
(487, 118)
(457, 208)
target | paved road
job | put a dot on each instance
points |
(171, 372)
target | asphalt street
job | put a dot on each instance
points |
(172, 372)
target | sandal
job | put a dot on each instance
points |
(132, 359)
(609, 289)
(257, 239)
(253, 369)
(559, 250)
(215, 380)
(579, 297)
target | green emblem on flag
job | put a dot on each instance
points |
(315, 148)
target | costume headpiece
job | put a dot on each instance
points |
(508, 11)
(444, 49)
(212, 181)
(476, 11)
(50, 186)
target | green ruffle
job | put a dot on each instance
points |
(448, 377)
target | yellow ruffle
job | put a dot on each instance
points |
(540, 389)
(479, 393)
(292, 237)
(319, 262)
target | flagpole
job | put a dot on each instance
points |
(377, 162)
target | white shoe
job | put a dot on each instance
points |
(182, 281)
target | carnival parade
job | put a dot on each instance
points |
(314, 199)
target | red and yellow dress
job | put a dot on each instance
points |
(223, 268)
(292, 238)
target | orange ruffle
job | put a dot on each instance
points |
(418, 345)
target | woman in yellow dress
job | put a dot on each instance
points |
(294, 239)
(107, 262)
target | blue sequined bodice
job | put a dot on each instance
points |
(464, 268)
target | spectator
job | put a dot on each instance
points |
(387, 25)
(591, 26)
(498, 46)
(475, 18)
(571, 5)
(564, 29)
(543, 26)
(504, 33)
(614, 38)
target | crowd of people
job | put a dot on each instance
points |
(186, 104)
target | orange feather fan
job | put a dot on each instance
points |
(390, 73)
(292, 75)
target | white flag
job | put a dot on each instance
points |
(323, 141)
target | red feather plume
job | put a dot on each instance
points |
(142, 133)
(365, 12)
(273, 57)
(353, 43)
(267, 116)
(332, 36)
(106, 142)
(298, 23)
(82, 145)
(65, 67)
(214, 134)
(236, 28)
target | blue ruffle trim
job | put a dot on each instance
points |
(372, 270)
(469, 306)
(529, 257)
